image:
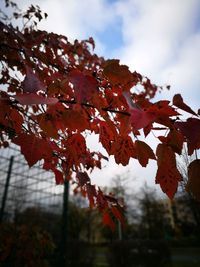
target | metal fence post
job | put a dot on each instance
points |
(4, 198)
(64, 230)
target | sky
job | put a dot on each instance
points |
(158, 38)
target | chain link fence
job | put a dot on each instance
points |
(22, 187)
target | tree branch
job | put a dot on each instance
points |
(126, 113)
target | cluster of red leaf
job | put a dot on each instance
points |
(53, 92)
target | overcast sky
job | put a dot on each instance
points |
(158, 38)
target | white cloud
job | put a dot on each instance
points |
(183, 74)
(79, 17)
(162, 41)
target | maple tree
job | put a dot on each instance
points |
(53, 93)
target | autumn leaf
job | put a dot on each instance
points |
(107, 220)
(117, 213)
(162, 112)
(75, 149)
(178, 102)
(164, 109)
(58, 87)
(123, 149)
(58, 176)
(140, 119)
(75, 120)
(150, 89)
(33, 148)
(116, 73)
(91, 193)
(10, 118)
(167, 174)
(47, 124)
(143, 152)
(190, 129)
(174, 139)
(85, 86)
(107, 135)
(34, 99)
(32, 83)
(82, 178)
(193, 184)
(101, 200)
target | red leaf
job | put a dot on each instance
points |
(91, 192)
(83, 178)
(101, 200)
(141, 119)
(167, 175)
(108, 221)
(75, 149)
(178, 102)
(162, 112)
(144, 152)
(190, 129)
(116, 73)
(10, 117)
(32, 83)
(123, 148)
(174, 139)
(163, 109)
(47, 124)
(58, 176)
(34, 99)
(150, 89)
(33, 148)
(117, 213)
(85, 86)
(75, 120)
(107, 135)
